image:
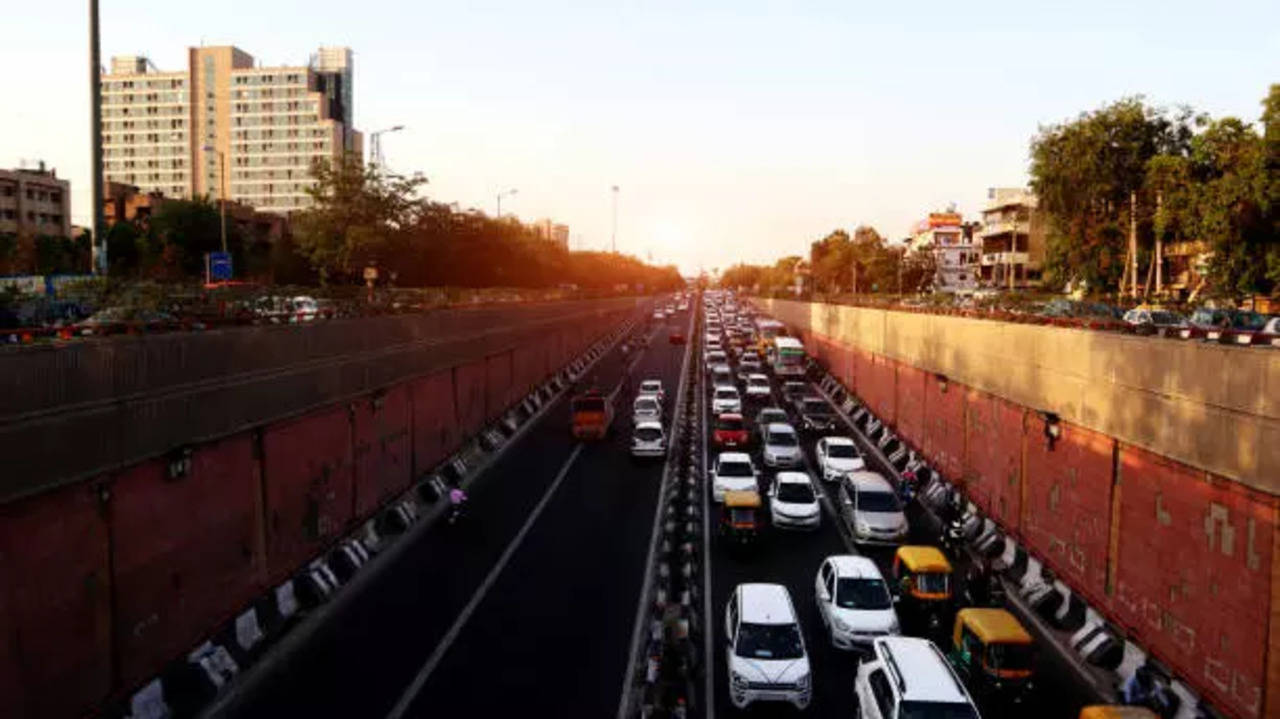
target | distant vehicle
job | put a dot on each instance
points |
(758, 387)
(1205, 322)
(781, 446)
(788, 357)
(1271, 331)
(646, 408)
(732, 472)
(721, 376)
(730, 431)
(1226, 326)
(591, 414)
(116, 316)
(793, 502)
(910, 675)
(837, 457)
(726, 399)
(716, 357)
(1146, 321)
(659, 315)
(748, 367)
(676, 337)
(815, 415)
(854, 601)
(767, 416)
(652, 388)
(767, 657)
(648, 440)
(794, 390)
(870, 507)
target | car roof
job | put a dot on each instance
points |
(779, 410)
(855, 566)
(725, 388)
(757, 375)
(837, 439)
(780, 427)
(651, 381)
(994, 625)
(793, 477)
(922, 673)
(652, 424)
(864, 480)
(735, 457)
(646, 399)
(765, 604)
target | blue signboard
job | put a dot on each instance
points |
(218, 266)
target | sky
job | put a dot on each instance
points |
(735, 131)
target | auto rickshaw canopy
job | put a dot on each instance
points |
(1117, 711)
(742, 499)
(991, 626)
(923, 559)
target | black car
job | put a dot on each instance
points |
(792, 391)
(815, 414)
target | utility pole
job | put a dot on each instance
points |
(1159, 260)
(99, 249)
(512, 191)
(615, 219)
(1133, 244)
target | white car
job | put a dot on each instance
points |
(854, 602)
(732, 472)
(648, 440)
(766, 655)
(838, 456)
(909, 676)
(652, 388)
(726, 399)
(781, 445)
(646, 408)
(758, 387)
(721, 376)
(793, 502)
(717, 357)
(871, 509)
(659, 315)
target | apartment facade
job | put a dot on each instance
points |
(224, 127)
(34, 202)
(1013, 238)
(951, 241)
(552, 232)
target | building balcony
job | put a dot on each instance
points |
(997, 228)
(993, 259)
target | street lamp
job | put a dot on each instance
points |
(508, 193)
(222, 191)
(614, 241)
(375, 144)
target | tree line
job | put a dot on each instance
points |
(840, 262)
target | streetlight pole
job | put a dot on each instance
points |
(512, 191)
(375, 145)
(222, 191)
(99, 247)
(614, 240)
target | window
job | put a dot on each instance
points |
(882, 692)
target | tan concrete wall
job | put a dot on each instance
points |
(1213, 407)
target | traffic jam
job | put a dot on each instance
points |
(826, 591)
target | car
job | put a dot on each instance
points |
(646, 408)
(815, 415)
(767, 416)
(721, 376)
(730, 431)
(748, 367)
(716, 357)
(652, 388)
(725, 399)
(648, 440)
(659, 315)
(711, 338)
(870, 509)
(1206, 323)
(758, 388)
(767, 660)
(781, 446)
(732, 472)
(793, 502)
(837, 456)
(854, 602)
(676, 337)
(1153, 321)
(1271, 331)
(910, 677)
(793, 390)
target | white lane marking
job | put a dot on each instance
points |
(709, 622)
(411, 693)
(637, 629)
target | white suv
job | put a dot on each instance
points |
(854, 602)
(909, 677)
(767, 658)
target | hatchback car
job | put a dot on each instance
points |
(838, 456)
(748, 367)
(730, 431)
(815, 415)
(732, 472)
(652, 388)
(726, 399)
(792, 391)
(871, 509)
(758, 388)
(793, 502)
(854, 602)
(646, 408)
(766, 654)
(648, 440)
(722, 376)
(781, 446)
(767, 416)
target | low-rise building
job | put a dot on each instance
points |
(951, 241)
(1013, 238)
(552, 232)
(34, 202)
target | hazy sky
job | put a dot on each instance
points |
(736, 130)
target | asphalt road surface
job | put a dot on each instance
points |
(524, 608)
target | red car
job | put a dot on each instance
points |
(676, 338)
(730, 431)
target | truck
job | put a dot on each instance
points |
(591, 415)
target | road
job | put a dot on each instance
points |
(792, 558)
(526, 607)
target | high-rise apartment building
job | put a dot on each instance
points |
(225, 127)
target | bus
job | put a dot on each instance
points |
(787, 357)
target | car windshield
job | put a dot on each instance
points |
(648, 434)
(842, 451)
(1248, 321)
(771, 415)
(854, 593)
(650, 387)
(793, 388)
(877, 501)
(758, 382)
(730, 424)
(932, 582)
(726, 393)
(646, 404)
(1009, 656)
(589, 404)
(769, 641)
(735, 469)
(1165, 318)
(815, 406)
(783, 439)
(936, 710)
(795, 492)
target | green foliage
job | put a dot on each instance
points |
(56, 255)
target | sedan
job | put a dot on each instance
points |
(648, 440)
(854, 602)
(652, 388)
(758, 388)
(646, 408)
(838, 456)
(871, 509)
(793, 502)
(815, 415)
(730, 431)
(726, 399)
(781, 446)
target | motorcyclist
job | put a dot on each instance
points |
(457, 500)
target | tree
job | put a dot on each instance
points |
(180, 234)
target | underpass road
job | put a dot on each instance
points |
(559, 613)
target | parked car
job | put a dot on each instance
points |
(725, 399)
(1206, 323)
(767, 660)
(646, 408)
(1271, 331)
(793, 501)
(1153, 321)
(648, 440)
(781, 446)
(908, 677)
(730, 431)
(758, 387)
(815, 415)
(854, 602)
(652, 388)
(733, 472)
(870, 508)
(837, 457)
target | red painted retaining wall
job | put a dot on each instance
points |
(382, 428)
(435, 426)
(469, 395)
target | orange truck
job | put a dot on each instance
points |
(591, 414)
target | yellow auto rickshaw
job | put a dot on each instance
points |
(993, 653)
(922, 585)
(740, 516)
(1116, 711)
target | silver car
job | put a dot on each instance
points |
(870, 508)
(781, 446)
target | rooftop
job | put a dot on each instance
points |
(765, 604)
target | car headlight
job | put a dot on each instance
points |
(894, 628)
(739, 681)
(803, 682)
(861, 527)
(839, 624)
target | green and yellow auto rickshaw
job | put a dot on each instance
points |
(993, 653)
(922, 586)
(740, 517)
